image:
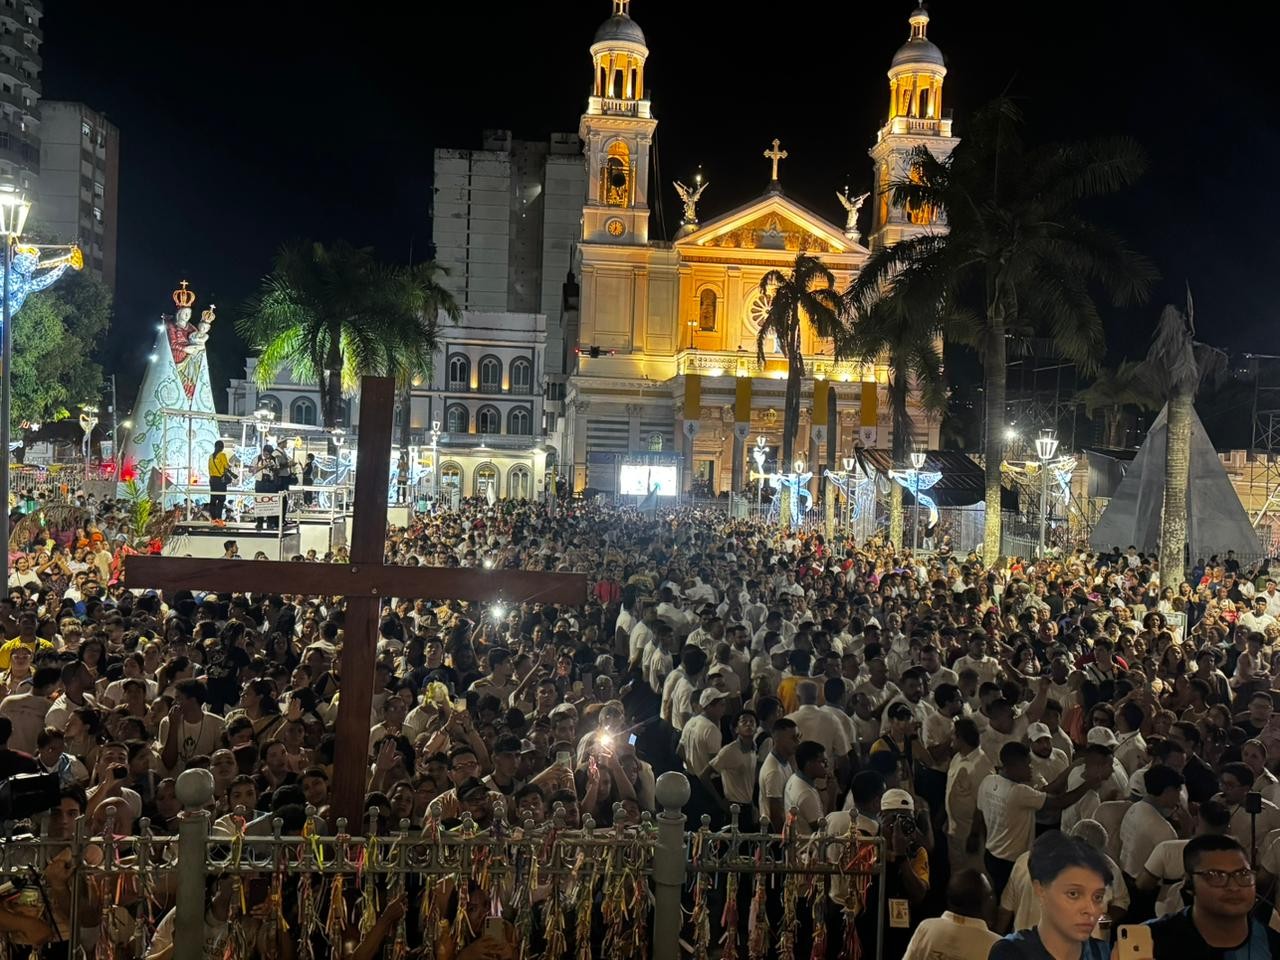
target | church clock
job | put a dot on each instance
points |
(615, 227)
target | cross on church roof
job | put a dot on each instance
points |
(775, 155)
(365, 581)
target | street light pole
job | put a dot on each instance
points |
(848, 463)
(13, 217)
(758, 455)
(435, 465)
(918, 458)
(1046, 447)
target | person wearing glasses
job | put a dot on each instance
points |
(1220, 923)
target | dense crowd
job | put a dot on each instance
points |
(1049, 749)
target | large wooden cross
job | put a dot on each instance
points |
(364, 582)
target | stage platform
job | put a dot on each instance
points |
(196, 539)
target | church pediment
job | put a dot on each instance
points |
(772, 223)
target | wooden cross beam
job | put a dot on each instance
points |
(365, 581)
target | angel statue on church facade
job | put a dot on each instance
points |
(690, 195)
(852, 206)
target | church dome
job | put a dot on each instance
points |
(620, 27)
(918, 50)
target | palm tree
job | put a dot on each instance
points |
(910, 343)
(1111, 391)
(417, 298)
(323, 313)
(806, 291)
(1175, 367)
(1017, 257)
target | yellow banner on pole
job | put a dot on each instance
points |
(692, 396)
(821, 391)
(742, 400)
(870, 412)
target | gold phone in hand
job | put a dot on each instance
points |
(1133, 942)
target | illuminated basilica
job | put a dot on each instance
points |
(666, 367)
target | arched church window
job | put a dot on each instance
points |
(615, 188)
(707, 310)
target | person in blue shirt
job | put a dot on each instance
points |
(1070, 879)
(1221, 923)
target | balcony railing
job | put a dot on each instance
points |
(743, 364)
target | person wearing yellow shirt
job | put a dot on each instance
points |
(26, 638)
(219, 477)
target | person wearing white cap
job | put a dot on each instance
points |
(700, 740)
(1047, 764)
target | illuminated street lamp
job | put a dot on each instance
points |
(14, 208)
(435, 463)
(1046, 448)
(918, 459)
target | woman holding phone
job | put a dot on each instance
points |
(1070, 880)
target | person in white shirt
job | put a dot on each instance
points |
(817, 724)
(775, 771)
(1257, 619)
(1236, 780)
(700, 738)
(681, 686)
(934, 670)
(642, 632)
(912, 687)
(807, 786)
(1148, 821)
(1131, 748)
(1272, 593)
(1164, 871)
(977, 660)
(969, 766)
(960, 933)
(1006, 810)
(736, 764)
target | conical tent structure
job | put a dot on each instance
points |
(177, 379)
(1216, 521)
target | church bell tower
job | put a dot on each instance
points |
(617, 133)
(916, 119)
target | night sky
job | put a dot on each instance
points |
(244, 126)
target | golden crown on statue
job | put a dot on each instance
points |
(184, 297)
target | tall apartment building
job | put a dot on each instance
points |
(504, 222)
(79, 182)
(20, 65)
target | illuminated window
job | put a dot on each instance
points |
(490, 374)
(521, 376)
(615, 187)
(707, 311)
(450, 475)
(486, 477)
(459, 372)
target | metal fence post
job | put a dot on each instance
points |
(195, 792)
(669, 864)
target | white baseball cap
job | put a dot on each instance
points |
(1038, 731)
(897, 800)
(1103, 735)
(710, 696)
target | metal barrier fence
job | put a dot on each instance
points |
(622, 892)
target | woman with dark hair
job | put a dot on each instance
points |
(258, 704)
(1069, 878)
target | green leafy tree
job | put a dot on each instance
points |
(55, 336)
(807, 292)
(1018, 256)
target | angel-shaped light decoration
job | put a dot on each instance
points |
(689, 196)
(852, 206)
